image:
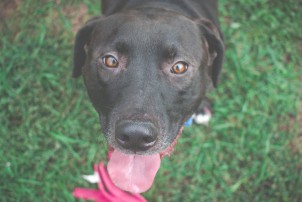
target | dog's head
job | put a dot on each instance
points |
(146, 73)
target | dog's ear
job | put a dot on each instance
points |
(215, 46)
(81, 40)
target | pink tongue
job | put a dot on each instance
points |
(133, 173)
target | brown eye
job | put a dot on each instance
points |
(179, 68)
(110, 61)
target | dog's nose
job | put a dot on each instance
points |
(136, 136)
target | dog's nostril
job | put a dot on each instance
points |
(149, 140)
(124, 138)
(136, 136)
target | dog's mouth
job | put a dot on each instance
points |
(135, 173)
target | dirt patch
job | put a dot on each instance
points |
(300, 51)
(7, 7)
(294, 146)
(77, 14)
(296, 143)
(300, 116)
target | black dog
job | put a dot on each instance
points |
(147, 66)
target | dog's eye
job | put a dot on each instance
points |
(110, 61)
(179, 68)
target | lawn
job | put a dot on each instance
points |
(250, 151)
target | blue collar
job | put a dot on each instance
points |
(189, 122)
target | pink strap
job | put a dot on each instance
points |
(107, 191)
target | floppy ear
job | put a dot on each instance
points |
(79, 54)
(214, 43)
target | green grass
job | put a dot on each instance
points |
(49, 133)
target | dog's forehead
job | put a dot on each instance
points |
(146, 30)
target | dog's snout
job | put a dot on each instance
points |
(136, 136)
